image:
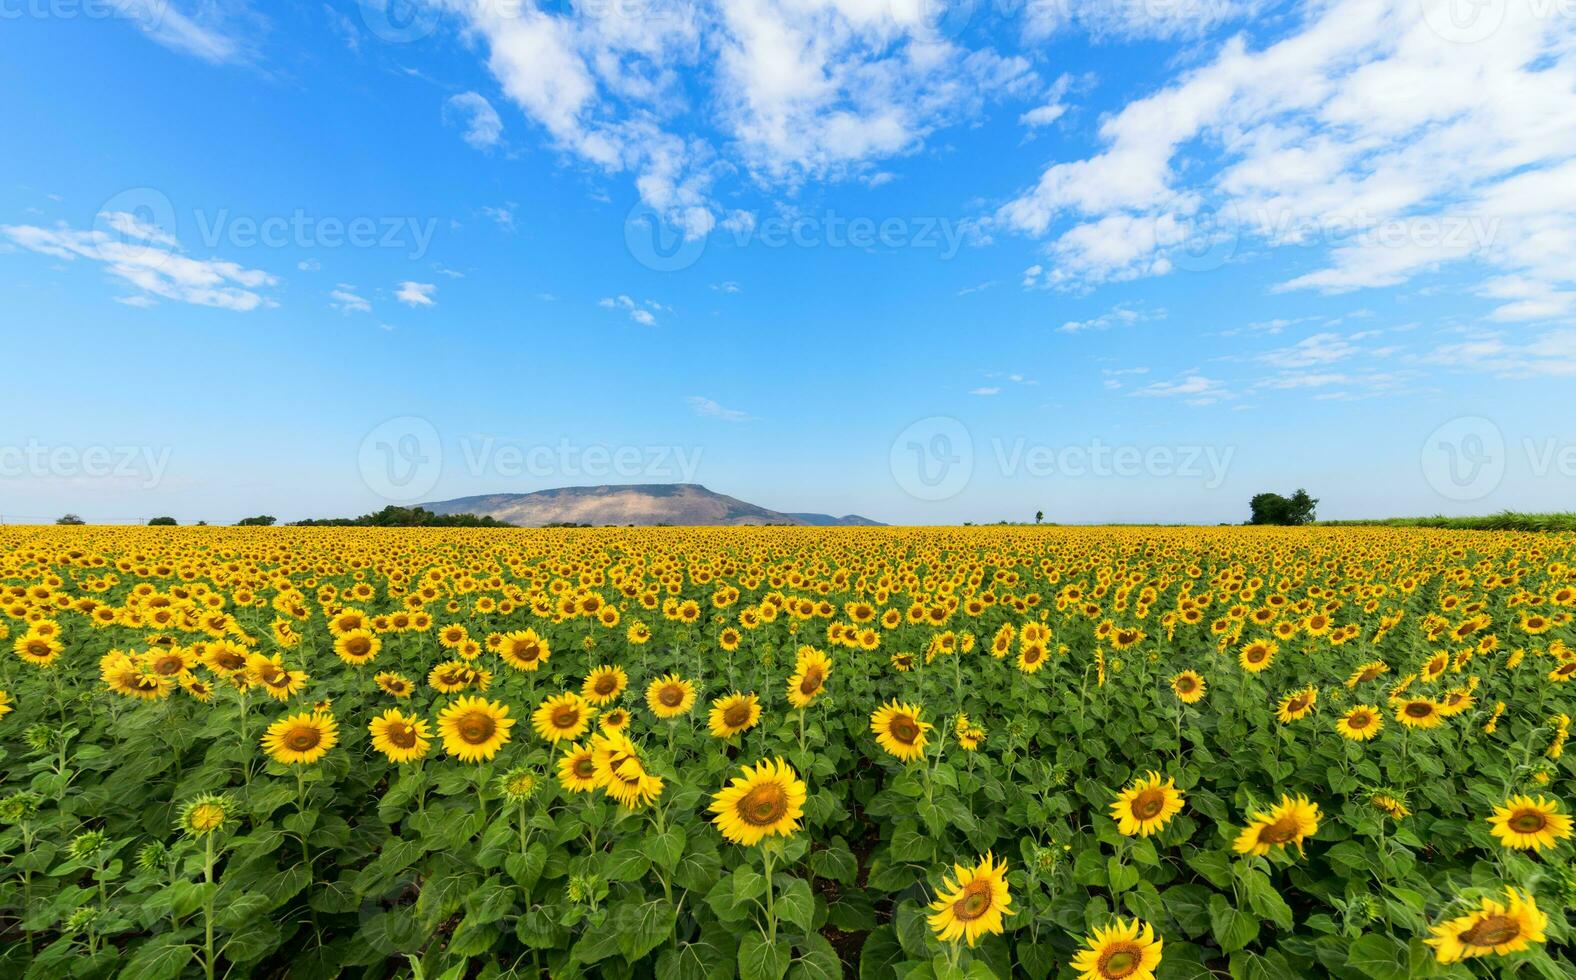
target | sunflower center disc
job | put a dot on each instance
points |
(1148, 803)
(1280, 831)
(1120, 961)
(974, 903)
(763, 805)
(1527, 822)
(1495, 930)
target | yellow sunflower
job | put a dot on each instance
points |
(40, 651)
(615, 720)
(357, 647)
(1258, 655)
(1419, 713)
(393, 684)
(1125, 950)
(1360, 723)
(733, 715)
(1188, 686)
(670, 696)
(1290, 821)
(972, 902)
(899, 730)
(809, 677)
(604, 684)
(1494, 928)
(302, 738)
(1297, 705)
(762, 802)
(621, 774)
(400, 737)
(474, 729)
(6, 702)
(1146, 805)
(577, 770)
(523, 650)
(1530, 823)
(562, 718)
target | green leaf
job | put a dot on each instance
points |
(835, 861)
(642, 927)
(1377, 956)
(1122, 876)
(666, 848)
(879, 956)
(794, 904)
(1232, 927)
(526, 868)
(817, 960)
(760, 960)
(489, 903)
(160, 958)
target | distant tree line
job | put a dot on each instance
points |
(1272, 508)
(404, 517)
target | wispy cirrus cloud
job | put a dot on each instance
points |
(707, 408)
(148, 259)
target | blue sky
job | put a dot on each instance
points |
(1122, 260)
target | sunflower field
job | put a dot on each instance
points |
(786, 752)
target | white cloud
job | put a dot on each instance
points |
(416, 293)
(798, 90)
(503, 217)
(1551, 354)
(210, 33)
(1130, 19)
(148, 258)
(707, 408)
(309, 265)
(1052, 109)
(1119, 316)
(641, 312)
(1194, 389)
(483, 127)
(726, 287)
(1363, 130)
(985, 391)
(345, 300)
(1321, 348)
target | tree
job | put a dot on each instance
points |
(1272, 508)
(1039, 516)
(261, 520)
(71, 519)
(162, 522)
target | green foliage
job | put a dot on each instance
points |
(1274, 509)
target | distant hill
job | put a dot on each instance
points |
(641, 504)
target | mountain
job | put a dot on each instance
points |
(827, 520)
(642, 504)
